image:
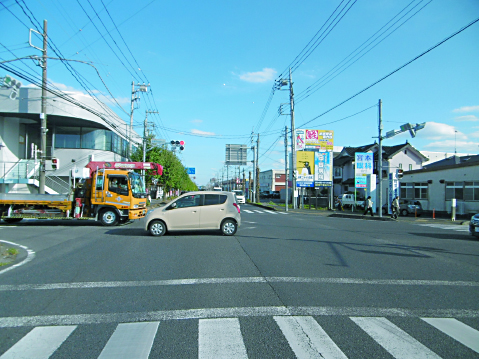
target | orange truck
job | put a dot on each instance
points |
(113, 194)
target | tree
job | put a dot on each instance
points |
(174, 173)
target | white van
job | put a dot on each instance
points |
(240, 196)
(217, 188)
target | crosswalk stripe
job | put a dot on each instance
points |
(130, 341)
(447, 227)
(39, 343)
(270, 212)
(248, 211)
(396, 341)
(307, 338)
(258, 211)
(220, 339)
(457, 330)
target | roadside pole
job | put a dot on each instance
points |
(43, 115)
(294, 156)
(380, 159)
(286, 170)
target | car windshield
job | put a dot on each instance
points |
(238, 192)
(138, 186)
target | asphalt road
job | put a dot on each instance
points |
(286, 285)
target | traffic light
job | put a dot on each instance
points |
(178, 143)
(55, 163)
(399, 173)
(12, 83)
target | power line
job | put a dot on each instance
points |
(336, 70)
(396, 70)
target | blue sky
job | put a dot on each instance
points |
(212, 64)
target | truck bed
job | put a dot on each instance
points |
(34, 197)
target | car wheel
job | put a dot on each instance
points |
(12, 221)
(229, 227)
(157, 228)
(108, 217)
(384, 211)
(404, 212)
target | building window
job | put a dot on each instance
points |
(67, 137)
(467, 191)
(406, 190)
(454, 190)
(337, 172)
(410, 167)
(400, 166)
(421, 191)
(471, 191)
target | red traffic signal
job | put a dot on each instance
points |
(55, 163)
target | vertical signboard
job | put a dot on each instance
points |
(393, 190)
(323, 168)
(305, 168)
(363, 167)
(372, 190)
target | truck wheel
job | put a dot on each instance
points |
(157, 228)
(12, 221)
(108, 217)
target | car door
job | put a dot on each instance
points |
(184, 214)
(213, 211)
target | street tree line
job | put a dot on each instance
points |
(174, 177)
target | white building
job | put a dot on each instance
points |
(76, 132)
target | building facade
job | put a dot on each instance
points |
(75, 135)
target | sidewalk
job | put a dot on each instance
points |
(359, 215)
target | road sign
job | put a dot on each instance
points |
(190, 171)
(235, 154)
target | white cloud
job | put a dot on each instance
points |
(196, 121)
(439, 131)
(467, 109)
(203, 133)
(451, 145)
(466, 118)
(265, 75)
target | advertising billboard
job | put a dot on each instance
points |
(363, 167)
(308, 139)
(323, 168)
(305, 168)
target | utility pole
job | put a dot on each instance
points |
(294, 155)
(141, 88)
(43, 115)
(250, 196)
(257, 172)
(286, 169)
(380, 158)
(145, 139)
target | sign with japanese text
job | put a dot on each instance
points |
(307, 139)
(363, 167)
(323, 168)
(305, 168)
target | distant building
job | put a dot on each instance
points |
(272, 180)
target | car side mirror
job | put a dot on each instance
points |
(173, 206)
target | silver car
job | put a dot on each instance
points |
(199, 210)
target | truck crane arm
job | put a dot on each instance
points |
(125, 165)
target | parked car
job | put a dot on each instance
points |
(407, 207)
(473, 226)
(265, 194)
(240, 196)
(276, 195)
(198, 210)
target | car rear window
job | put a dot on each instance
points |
(211, 199)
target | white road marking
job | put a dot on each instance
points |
(307, 338)
(457, 330)
(393, 339)
(270, 212)
(248, 211)
(220, 339)
(129, 317)
(258, 211)
(447, 227)
(130, 341)
(30, 256)
(39, 343)
(240, 280)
